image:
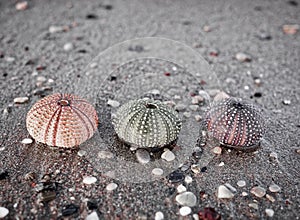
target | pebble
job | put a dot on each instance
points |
(89, 180)
(286, 102)
(113, 103)
(264, 36)
(242, 57)
(194, 107)
(20, 6)
(181, 188)
(180, 107)
(187, 114)
(206, 28)
(197, 99)
(185, 210)
(68, 46)
(221, 164)
(103, 154)
(270, 198)
(290, 28)
(188, 179)
(198, 117)
(241, 183)
(159, 216)
(21, 100)
(10, 59)
(92, 216)
(176, 177)
(93, 65)
(274, 188)
(3, 212)
(2, 148)
(269, 212)
(253, 205)
(224, 192)
(232, 189)
(142, 156)
(157, 171)
(258, 191)
(56, 29)
(186, 199)
(81, 153)
(27, 141)
(111, 186)
(217, 150)
(195, 168)
(168, 155)
(195, 216)
(244, 194)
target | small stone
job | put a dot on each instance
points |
(187, 114)
(89, 180)
(206, 28)
(186, 199)
(10, 59)
(159, 216)
(68, 46)
(174, 68)
(264, 36)
(142, 156)
(224, 193)
(56, 29)
(232, 189)
(195, 216)
(177, 97)
(198, 117)
(81, 153)
(180, 107)
(194, 107)
(21, 100)
(241, 183)
(246, 87)
(221, 164)
(274, 188)
(3, 212)
(92, 216)
(286, 102)
(27, 141)
(20, 6)
(93, 65)
(195, 168)
(269, 212)
(111, 186)
(197, 99)
(181, 188)
(242, 57)
(185, 210)
(270, 198)
(188, 179)
(168, 155)
(157, 171)
(113, 103)
(214, 53)
(209, 213)
(176, 177)
(217, 150)
(290, 28)
(258, 191)
(244, 194)
(103, 154)
(253, 205)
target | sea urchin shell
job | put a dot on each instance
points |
(62, 120)
(146, 123)
(235, 123)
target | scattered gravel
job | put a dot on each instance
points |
(111, 186)
(290, 28)
(142, 156)
(186, 199)
(224, 192)
(89, 180)
(185, 210)
(81, 153)
(258, 191)
(270, 198)
(21, 100)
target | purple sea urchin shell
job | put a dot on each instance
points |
(235, 123)
(62, 120)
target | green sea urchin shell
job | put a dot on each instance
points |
(146, 123)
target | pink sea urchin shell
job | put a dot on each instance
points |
(62, 120)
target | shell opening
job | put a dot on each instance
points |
(63, 102)
(151, 106)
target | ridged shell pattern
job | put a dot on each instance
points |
(146, 123)
(236, 123)
(62, 120)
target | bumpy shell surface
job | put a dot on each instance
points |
(234, 122)
(147, 123)
(62, 120)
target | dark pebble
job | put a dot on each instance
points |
(26, 48)
(30, 62)
(70, 210)
(4, 74)
(107, 7)
(203, 169)
(91, 16)
(176, 177)
(82, 51)
(39, 68)
(92, 205)
(257, 95)
(3, 175)
(137, 48)
(186, 22)
(293, 3)
(209, 213)
(264, 36)
(112, 78)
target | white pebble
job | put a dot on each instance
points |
(198, 117)
(244, 194)
(157, 171)
(93, 65)
(103, 154)
(186, 199)
(185, 210)
(195, 216)
(168, 155)
(68, 46)
(188, 179)
(224, 192)
(181, 188)
(89, 180)
(271, 198)
(3, 212)
(217, 150)
(111, 186)
(55, 29)
(269, 212)
(81, 153)
(92, 216)
(113, 103)
(241, 183)
(20, 6)
(10, 59)
(27, 141)
(159, 216)
(274, 188)
(142, 156)
(258, 191)
(253, 205)
(20, 100)
(242, 57)
(221, 164)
